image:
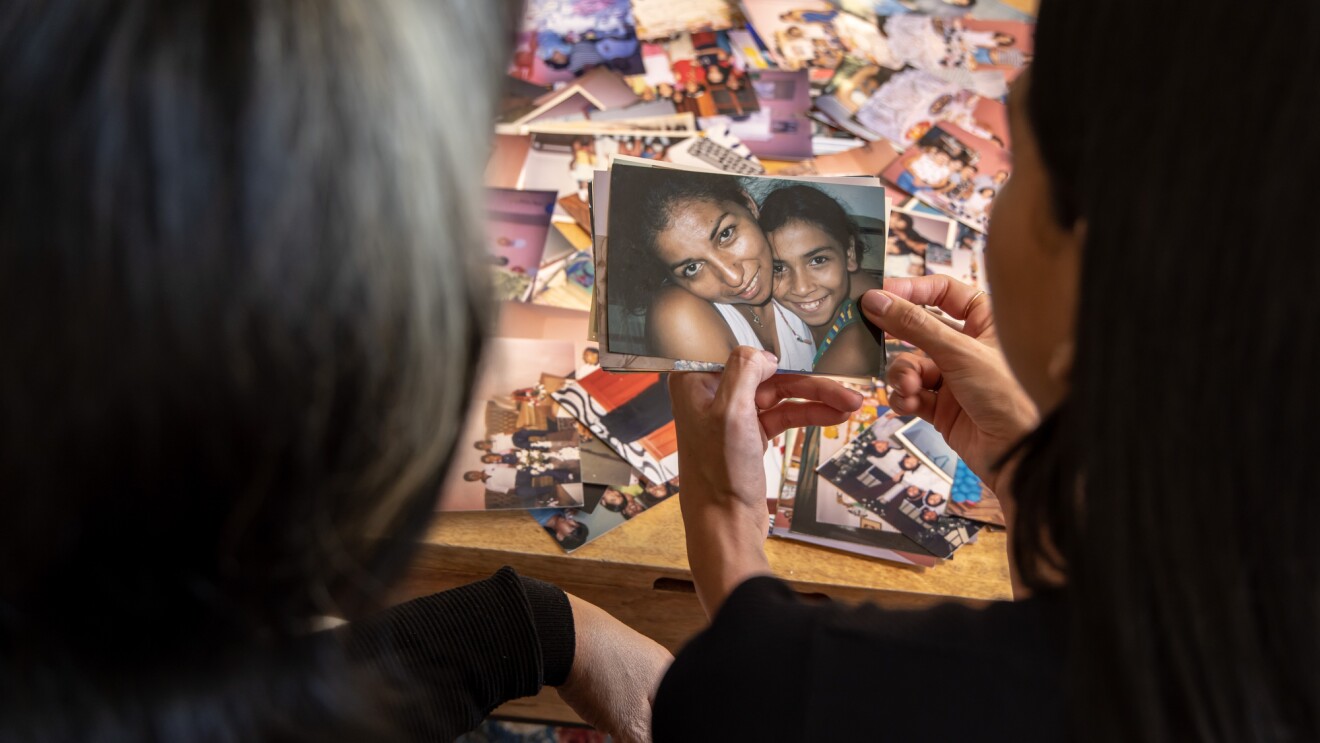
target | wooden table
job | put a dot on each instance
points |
(638, 572)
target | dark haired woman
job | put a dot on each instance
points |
(687, 253)
(818, 276)
(241, 303)
(1169, 601)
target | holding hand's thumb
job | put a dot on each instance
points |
(909, 322)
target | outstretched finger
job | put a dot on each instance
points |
(916, 325)
(785, 386)
(799, 413)
(909, 373)
(745, 370)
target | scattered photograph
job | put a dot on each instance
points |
(630, 413)
(908, 507)
(969, 498)
(705, 78)
(953, 171)
(781, 130)
(902, 106)
(952, 48)
(610, 506)
(796, 518)
(518, 450)
(921, 438)
(699, 263)
(870, 465)
(913, 237)
(661, 19)
(868, 160)
(998, 10)
(799, 33)
(517, 226)
(563, 39)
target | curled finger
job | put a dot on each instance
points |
(909, 373)
(921, 404)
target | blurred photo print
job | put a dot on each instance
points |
(518, 449)
(700, 263)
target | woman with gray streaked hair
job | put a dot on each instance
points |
(242, 312)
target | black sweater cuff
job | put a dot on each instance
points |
(552, 617)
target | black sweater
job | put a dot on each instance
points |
(772, 667)
(462, 653)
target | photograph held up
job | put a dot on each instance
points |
(700, 263)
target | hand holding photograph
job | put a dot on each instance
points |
(700, 263)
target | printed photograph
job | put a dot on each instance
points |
(607, 507)
(518, 449)
(869, 467)
(902, 106)
(914, 238)
(562, 39)
(921, 438)
(800, 34)
(798, 516)
(517, 226)
(964, 261)
(988, 9)
(972, 500)
(700, 263)
(630, 413)
(953, 171)
(908, 507)
(704, 77)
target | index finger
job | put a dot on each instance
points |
(820, 389)
(936, 290)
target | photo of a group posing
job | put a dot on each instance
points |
(519, 449)
(700, 263)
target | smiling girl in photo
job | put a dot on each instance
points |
(818, 276)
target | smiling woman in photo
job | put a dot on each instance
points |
(686, 253)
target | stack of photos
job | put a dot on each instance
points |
(517, 226)
(953, 171)
(562, 39)
(520, 450)
(892, 481)
(916, 239)
(700, 263)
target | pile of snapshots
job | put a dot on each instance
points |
(673, 177)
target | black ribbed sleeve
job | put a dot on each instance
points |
(455, 656)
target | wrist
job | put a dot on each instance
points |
(726, 546)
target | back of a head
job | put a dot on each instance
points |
(1193, 576)
(240, 308)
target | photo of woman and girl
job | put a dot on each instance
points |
(698, 265)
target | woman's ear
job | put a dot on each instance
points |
(751, 205)
(851, 255)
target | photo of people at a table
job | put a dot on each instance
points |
(700, 263)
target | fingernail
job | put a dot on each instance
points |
(876, 301)
(771, 358)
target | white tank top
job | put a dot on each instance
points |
(796, 348)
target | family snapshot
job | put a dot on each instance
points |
(700, 263)
(519, 450)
